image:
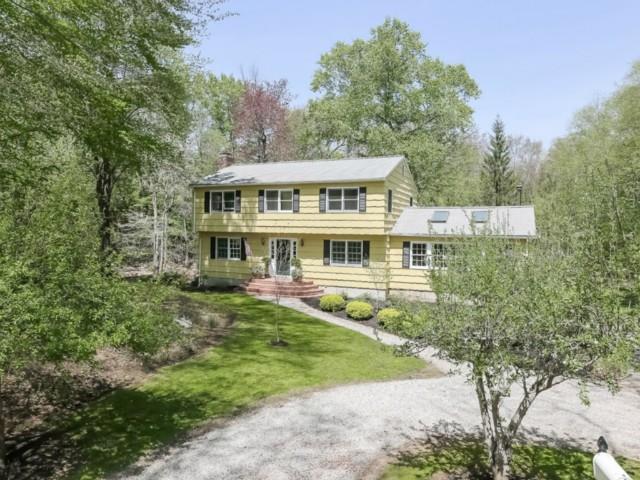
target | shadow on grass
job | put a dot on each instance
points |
(452, 453)
(114, 432)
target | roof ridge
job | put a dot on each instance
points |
(289, 162)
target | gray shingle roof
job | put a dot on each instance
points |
(312, 171)
(518, 221)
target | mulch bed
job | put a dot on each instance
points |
(372, 322)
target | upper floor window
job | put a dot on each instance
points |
(279, 200)
(223, 201)
(343, 199)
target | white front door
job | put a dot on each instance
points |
(282, 250)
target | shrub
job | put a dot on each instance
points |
(359, 310)
(296, 269)
(389, 316)
(332, 302)
(266, 261)
(257, 270)
(173, 279)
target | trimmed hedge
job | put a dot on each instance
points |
(359, 310)
(332, 302)
(388, 316)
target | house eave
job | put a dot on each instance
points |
(301, 182)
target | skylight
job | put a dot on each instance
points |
(439, 216)
(480, 216)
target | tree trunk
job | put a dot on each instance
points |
(4, 467)
(186, 242)
(105, 179)
(500, 460)
(496, 439)
(156, 255)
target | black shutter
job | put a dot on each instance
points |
(212, 248)
(243, 249)
(207, 202)
(260, 201)
(296, 200)
(390, 201)
(326, 259)
(323, 200)
(365, 253)
(411, 201)
(363, 199)
(238, 201)
(406, 254)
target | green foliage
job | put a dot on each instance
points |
(55, 301)
(497, 174)
(529, 461)
(590, 187)
(532, 315)
(115, 431)
(385, 95)
(296, 269)
(359, 310)
(332, 302)
(388, 316)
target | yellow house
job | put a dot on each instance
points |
(350, 226)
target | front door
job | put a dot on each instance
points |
(282, 251)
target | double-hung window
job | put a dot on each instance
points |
(343, 199)
(419, 257)
(228, 248)
(346, 252)
(279, 201)
(430, 255)
(223, 201)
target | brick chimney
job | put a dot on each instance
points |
(225, 159)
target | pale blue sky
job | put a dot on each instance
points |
(536, 62)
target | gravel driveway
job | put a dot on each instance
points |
(339, 433)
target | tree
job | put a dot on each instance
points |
(109, 79)
(215, 100)
(520, 319)
(592, 179)
(55, 302)
(385, 95)
(497, 173)
(528, 156)
(260, 119)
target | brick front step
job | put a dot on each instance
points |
(267, 286)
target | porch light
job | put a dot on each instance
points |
(262, 241)
(302, 242)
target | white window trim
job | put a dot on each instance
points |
(229, 249)
(429, 256)
(346, 250)
(427, 250)
(279, 210)
(342, 209)
(211, 210)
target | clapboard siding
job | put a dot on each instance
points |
(307, 221)
(310, 255)
(406, 278)
(400, 181)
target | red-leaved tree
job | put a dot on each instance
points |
(261, 128)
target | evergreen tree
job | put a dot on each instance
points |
(497, 174)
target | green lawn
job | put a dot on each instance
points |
(529, 462)
(113, 432)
